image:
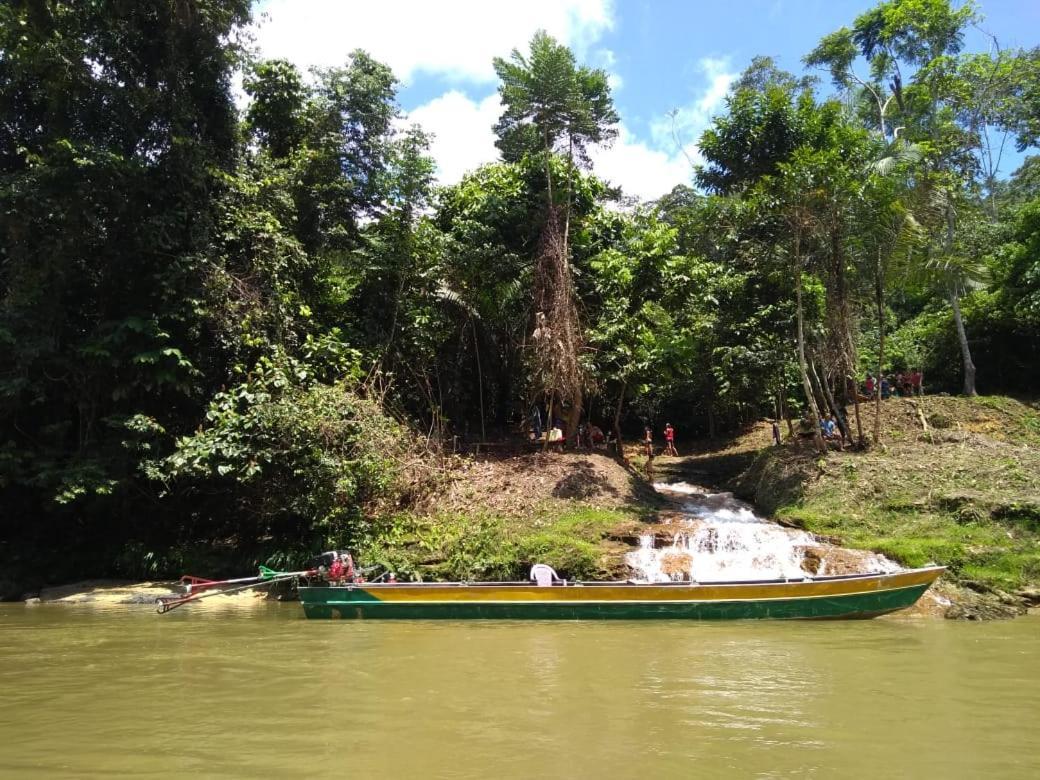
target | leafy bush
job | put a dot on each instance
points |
(306, 460)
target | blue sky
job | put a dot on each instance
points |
(662, 55)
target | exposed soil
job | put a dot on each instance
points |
(518, 484)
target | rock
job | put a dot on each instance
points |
(976, 586)
(982, 612)
(1006, 598)
(984, 608)
(812, 561)
(144, 598)
(1030, 596)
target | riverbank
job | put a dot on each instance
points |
(956, 482)
(500, 513)
(960, 492)
(108, 594)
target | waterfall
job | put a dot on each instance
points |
(718, 538)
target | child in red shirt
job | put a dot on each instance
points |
(669, 437)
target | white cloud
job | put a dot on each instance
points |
(640, 170)
(651, 170)
(463, 138)
(457, 39)
(688, 122)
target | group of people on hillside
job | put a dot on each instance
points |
(587, 436)
(902, 384)
(590, 436)
(669, 441)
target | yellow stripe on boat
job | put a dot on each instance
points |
(840, 596)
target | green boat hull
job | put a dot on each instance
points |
(345, 602)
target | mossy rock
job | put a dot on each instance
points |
(967, 506)
(940, 420)
(1023, 512)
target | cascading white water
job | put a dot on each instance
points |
(721, 539)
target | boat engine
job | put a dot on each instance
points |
(335, 566)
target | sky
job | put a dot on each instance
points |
(662, 56)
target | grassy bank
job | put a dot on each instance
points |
(961, 488)
(500, 514)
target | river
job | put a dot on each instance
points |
(260, 692)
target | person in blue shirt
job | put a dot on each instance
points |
(828, 427)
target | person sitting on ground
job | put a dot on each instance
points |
(596, 436)
(829, 428)
(669, 438)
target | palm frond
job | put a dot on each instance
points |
(898, 154)
(446, 294)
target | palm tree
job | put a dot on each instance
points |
(890, 233)
(955, 275)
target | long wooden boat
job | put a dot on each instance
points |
(847, 596)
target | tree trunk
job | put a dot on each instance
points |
(567, 205)
(575, 417)
(480, 381)
(879, 297)
(802, 365)
(617, 419)
(785, 413)
(855, 403)
(817, 386)
(839, 416)
(548, 169)
(962, 337)
(548, 422)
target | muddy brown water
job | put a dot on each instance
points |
(262, 693)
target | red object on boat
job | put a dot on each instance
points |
(192, 584)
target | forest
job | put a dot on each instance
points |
(266, 327)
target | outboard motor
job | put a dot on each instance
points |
(326, 559)
(334, 566)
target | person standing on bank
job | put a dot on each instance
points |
(669, 438)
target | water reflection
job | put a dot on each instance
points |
(266, 693)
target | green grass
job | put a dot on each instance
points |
(972, 505)
(966, 496)
(570, 537)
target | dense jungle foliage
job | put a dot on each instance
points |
(245, 330)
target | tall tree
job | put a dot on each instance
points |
(118, 127)
(550, 101)
(908, 45)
